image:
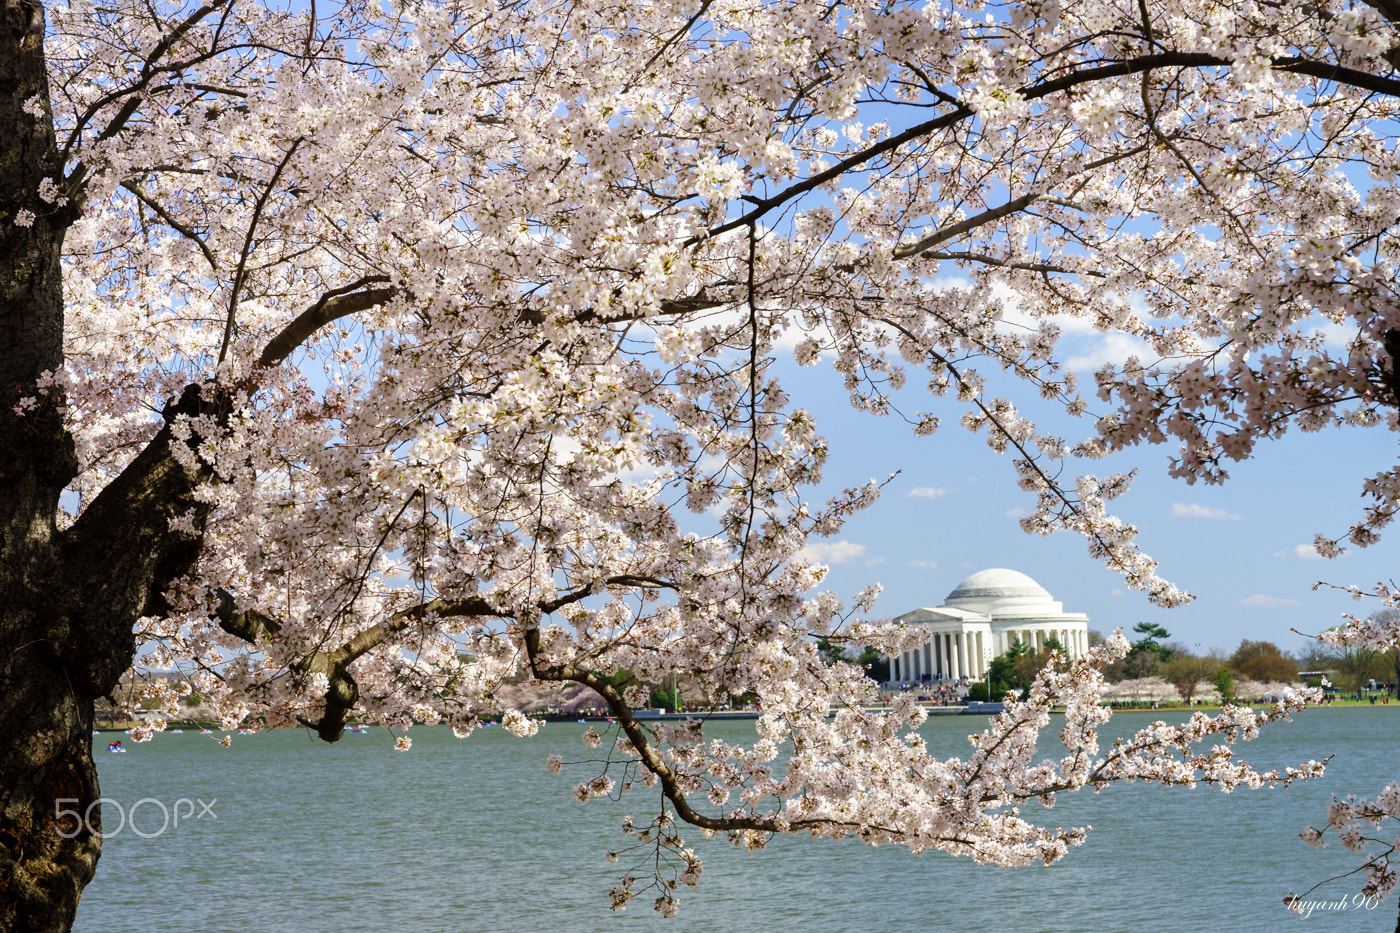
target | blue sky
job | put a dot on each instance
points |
(1242, 548)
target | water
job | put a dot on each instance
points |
(477, 836)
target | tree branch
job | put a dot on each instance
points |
(238, 276)
(172, 223)
(1322, 70)
(334, 304)
(122, 552)
(342, 692)
(119, 120)
(247, 624)
(963, 226)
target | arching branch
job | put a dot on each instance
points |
(342, 692)
(1037, 91)
(333, 305)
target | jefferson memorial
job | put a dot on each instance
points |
(979, 620)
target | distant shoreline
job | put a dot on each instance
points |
(649, 716)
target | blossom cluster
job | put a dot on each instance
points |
(1351, 820)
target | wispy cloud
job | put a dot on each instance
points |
(1260, 601)
(927, 492)
(832, 552)
(924, 564)
(1016, 512)
(1195, 510)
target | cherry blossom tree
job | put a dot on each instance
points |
(358, 358)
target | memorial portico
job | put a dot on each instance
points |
(981, 619)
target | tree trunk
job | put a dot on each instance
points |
(45, 722)
(68, 601)
(46, 859)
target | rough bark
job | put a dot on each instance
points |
(68, 600)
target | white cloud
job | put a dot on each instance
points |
(926, 492)
(1016, 512)
(924, 564)
(1106, 349)
(1115, 592)
(1195, 510)
(1260, 601)
(788, 340)
(947, 281)
(1334, 335)
(1300, 551)
(832, 552)
(1088, 349)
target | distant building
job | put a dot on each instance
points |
(979, 620)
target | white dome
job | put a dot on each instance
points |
(984, 616)
(997, 584)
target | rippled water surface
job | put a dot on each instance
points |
(476, 835)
